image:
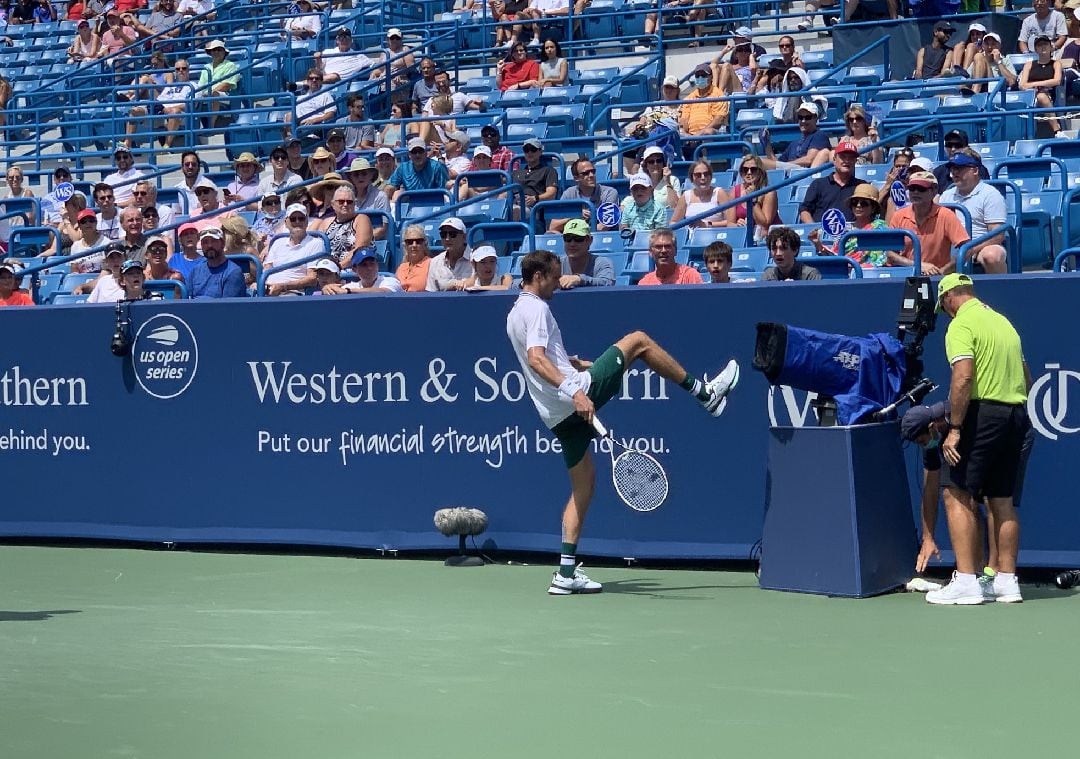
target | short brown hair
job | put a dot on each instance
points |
(717, 249)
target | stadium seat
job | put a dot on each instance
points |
(1040, 232)
(750, 259)
(67, 299)
(71, 281)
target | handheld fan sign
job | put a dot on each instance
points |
(639, 480)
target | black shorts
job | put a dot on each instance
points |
(991, 441)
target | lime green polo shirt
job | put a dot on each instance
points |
(979, 332)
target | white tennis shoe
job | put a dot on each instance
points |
(1007, 591)
(967, 592)
(579, 583)
(719, 387)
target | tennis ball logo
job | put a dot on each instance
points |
(165, 356)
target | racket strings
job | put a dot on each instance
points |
(640, 480)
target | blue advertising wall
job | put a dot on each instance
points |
(348, 421)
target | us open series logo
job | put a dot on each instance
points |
(165, 355)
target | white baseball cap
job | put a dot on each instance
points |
(296, 208)
(922, 163)
(671, 81)
(393, 32)
(640, 180)
(651, 151)
(328, 264)
(384, 151)
(481, 150)
(454, 223)
(484, 251)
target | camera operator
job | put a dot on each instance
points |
(987, 425)
(926, 426)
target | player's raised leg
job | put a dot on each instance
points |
(638, 345)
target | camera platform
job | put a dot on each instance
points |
(838, 511)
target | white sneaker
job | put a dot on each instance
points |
(957, 592)
(508, 43)
(534, 42)
(1007, 590)
(805, 24)
(579, 583)
(719, 387)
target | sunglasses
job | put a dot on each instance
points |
(786, 46)
(748, 170)
(298, 219)
(701, 174)
(655, 160)
(140, 192)
(414, 240)
(445, 233)
(416, 151)
(569, 239)
(204, 191)
(855, 118)
(105, 199)
(806, 117)
(278, 157)
(531, 149)
(271, 202)
(917, 188)
(861, 202)
(954, 145)
(88, 221)
(314, 78)
(585, 173)
(181, 68)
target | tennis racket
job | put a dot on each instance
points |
(639, 480)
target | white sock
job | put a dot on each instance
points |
(965, 579)
(1006, 576)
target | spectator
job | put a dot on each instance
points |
(89, 238)
(991, 62)
(666, 186)
(341, 62)
(209, 213)
(305, 23)
(832, 191)
(517, 72)
(22, 13)
(347, 230)
(853, 11)
(1070, 55)
(812, 7)
(799, 153)
(938, 228)
(123, 179)
(335, 142)
(317, 107)
(191, 175)
(298, 164)
(984, 203)
(586, 188)
(213, 275)
(133, 279)
(400, 58)
(752, 177)
(866, 214)
(783, 244)
(786, 109)
(15, 188)
(108, 216)
(369, 279)
(470, 187)
(157, 260)
(394, 131)
(164, 21)
(738, 72)
(964, 51)
(501, 156)
(52, 208)
(424, 89)
(362, 175)
(321, 163)
(654, 119)
(936, 58)
(386, 164)
(184, 259)
(10, 294)
(86, 46)
(539, 181)
(1043, 75)
(505, 11)
(278, 176)
(66, 223)
(901, 169)
(204, 8)
(269, 219)
(862, 133)
(701, 119)
(667, 270)
(554, 69)
(789, 55)
(770, 83)
(245, 185)
(172, 99)
(285, 251)
(717, 255)
(459, 101)
(106, 288)
(117, 36)
(419, 173)
(218, 80)
(434, 132)
(416, 260)
(580, 267)
(322, 194)
(1044, 22)
(484, 275)
(700, 198)
(538, 10)
(152, 220)
(455, 157)
(327, 272)
(640, 210)
(956, 141)
(132, 238)
(450, 269)
(360, 134)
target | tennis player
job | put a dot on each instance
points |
(567, 391)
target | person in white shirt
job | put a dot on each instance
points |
(145, 194)
(196, 8)
(456, 159)
(108, 218)
(191, 169)
(341, 62)
(305, 24)
(566, 392)
(1044, 22)
(278, 176)
(107, 287)
(985, 204)
(365, 265)
(316, 107)
(123, 179)
(461, 101)
(286, 251)
(450, 269)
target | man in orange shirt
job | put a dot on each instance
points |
(700, 119)
(9, 294)
(938, 228)
(668, 272)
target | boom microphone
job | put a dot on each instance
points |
(461, 521)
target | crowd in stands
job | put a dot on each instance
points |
(320, 212)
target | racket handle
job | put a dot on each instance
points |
(601, 430)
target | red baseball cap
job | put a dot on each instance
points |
(189, 227)
(847, 146)
(86, 213)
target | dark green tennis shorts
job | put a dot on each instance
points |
(573, 432)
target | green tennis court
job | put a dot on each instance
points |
(129, 653)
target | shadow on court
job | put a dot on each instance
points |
(657, 589)
(34, 616)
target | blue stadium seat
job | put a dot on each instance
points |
(994, 150)
(601, 20)
(702, 237)
(750, 259)
(550, 241)
(71, 281)
(67, 299)
(48, 284)
(523, 115)
(611, 241)
(566, 121)
(1040, 232)
(865, 76)
(522, 132)
(520, 98)
(558, 95)
(480, 84)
